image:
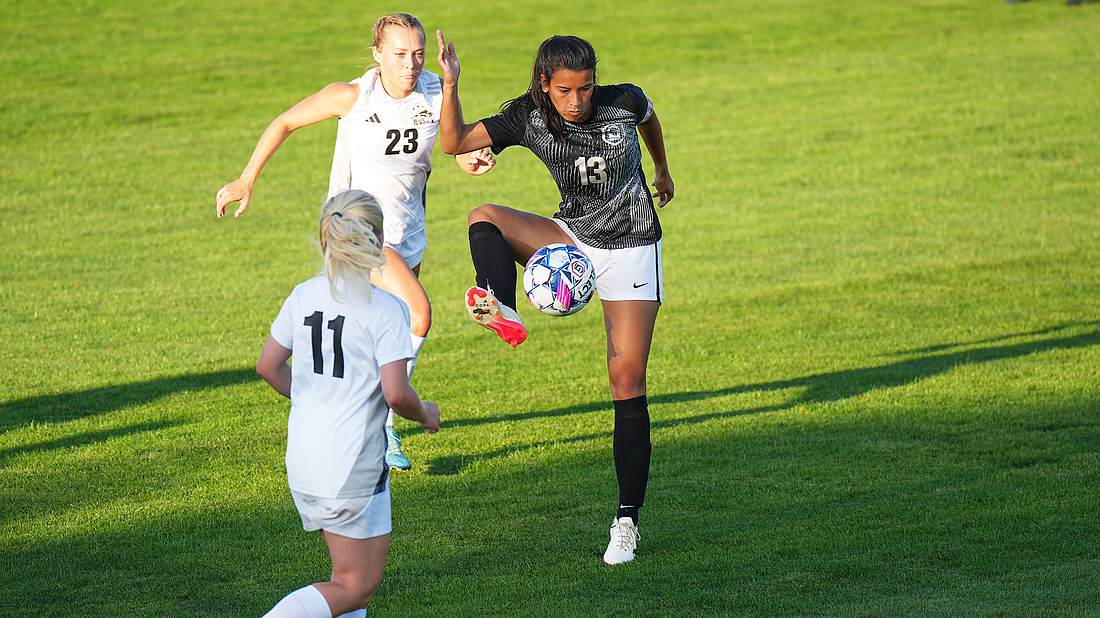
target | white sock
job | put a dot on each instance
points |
(305, 602)
(418, 342)
(359, 613)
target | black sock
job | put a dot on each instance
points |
(631, 448)
(494, 265)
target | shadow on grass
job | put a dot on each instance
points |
(874, 539)
(217, 558)
(818, 388)
(85, 439)
(453, 464)
(71, 406)
(848, 383)
(209, 563)
(1044, 331)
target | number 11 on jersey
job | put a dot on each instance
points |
(336, 325)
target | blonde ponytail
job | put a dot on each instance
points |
(350, 241)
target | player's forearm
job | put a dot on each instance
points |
(273, 137)
(654, 139)
(451, 124)
(407, 404)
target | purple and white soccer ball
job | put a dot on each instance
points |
(559, 280)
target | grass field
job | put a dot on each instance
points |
(875, 384)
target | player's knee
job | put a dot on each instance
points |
(351, 603)
(357, 594)
(627, 384)
(420, 323)
(420, 316)
(484, 212)
(363, 599)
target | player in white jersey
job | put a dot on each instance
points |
(386, 143)
(349, 344)
(386, 132)
(587, 136)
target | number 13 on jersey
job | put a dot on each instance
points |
(593, 170)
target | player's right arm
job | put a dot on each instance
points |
(273, 367)
(334, 100)
(455, 136)
(403, 398)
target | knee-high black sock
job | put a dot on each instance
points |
(494, 265)
(632, 450)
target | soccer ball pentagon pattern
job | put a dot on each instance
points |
(559, 280)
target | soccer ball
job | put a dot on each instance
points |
(559, 280)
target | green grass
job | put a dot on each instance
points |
(874, 384)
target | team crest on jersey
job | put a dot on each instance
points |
(422, 115)
(612, 134)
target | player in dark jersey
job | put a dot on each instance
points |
(587, 136)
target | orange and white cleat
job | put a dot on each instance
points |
(499, 318)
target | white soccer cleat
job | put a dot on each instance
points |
(624, 541)
(497, 317)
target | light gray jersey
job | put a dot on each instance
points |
(336, 443)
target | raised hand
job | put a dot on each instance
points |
(448, 60)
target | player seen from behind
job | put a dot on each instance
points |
(349, 342)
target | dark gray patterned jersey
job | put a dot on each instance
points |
(598, 170)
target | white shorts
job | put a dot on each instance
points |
(356, 518)
(624, 274)
(412, 247)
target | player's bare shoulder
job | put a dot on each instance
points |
(339, 97)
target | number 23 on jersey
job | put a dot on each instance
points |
(402, 142)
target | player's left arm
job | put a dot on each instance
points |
(273, 367)
(650, 130)
(477, 162)
(455, 136)
(403, 398)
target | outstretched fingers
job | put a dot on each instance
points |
(448, 60)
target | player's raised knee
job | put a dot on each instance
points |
(420, 318)
(485, 212)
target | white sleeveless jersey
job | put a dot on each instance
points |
(336, 443)
(384, 147)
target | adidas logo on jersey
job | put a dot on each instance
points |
(373, 118)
